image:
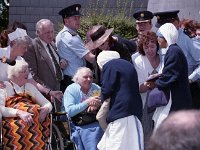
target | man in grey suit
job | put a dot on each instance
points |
(42, 57)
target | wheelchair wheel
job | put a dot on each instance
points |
(56, 140)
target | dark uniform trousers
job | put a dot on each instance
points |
(65, 82)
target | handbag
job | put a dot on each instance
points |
(84, 118)
(154, 77)
(157, 98)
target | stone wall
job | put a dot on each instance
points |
(30, 11)
(189, 9)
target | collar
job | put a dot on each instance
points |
(43, 42)
(71, 31)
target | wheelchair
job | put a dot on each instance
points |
(60, 132)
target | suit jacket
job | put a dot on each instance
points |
(41, 66)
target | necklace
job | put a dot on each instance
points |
(15, 89)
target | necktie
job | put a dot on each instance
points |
(57, 67)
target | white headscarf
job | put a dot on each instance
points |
(17, 34)
(169, 32)
(106, 56)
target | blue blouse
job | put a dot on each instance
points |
(73, 101)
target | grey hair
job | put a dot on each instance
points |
(79, 72)
(13, 71)
(22, 40)
(41, 23)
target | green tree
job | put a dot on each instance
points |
(4, 14)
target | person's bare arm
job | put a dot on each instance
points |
(90, 57)
(2, 85)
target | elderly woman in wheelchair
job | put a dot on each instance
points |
(25, 111)
(81, 101)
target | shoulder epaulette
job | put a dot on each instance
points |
(72, 33)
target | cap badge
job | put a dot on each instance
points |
(142, 15)
(76, 8)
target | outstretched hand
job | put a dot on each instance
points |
(93, 103)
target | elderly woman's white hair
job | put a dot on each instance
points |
(79, 72)
(106, 56)
(13, 71)
(169, 32)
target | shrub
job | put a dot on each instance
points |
(119, 18)
(4, 13)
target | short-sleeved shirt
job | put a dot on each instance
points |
(186, 45)
(196, 54)
(71, 47)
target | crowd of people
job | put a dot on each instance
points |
(143, 88)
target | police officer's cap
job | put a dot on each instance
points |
(165, 17)
(143, 16)
(73, 10)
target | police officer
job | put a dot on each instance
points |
(70, 45)
(189, 48)
(143, 25)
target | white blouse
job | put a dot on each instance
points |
(28, 88)
(144, 69)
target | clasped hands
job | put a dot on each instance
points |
(93, 103)
(150, 84)
(28, 117)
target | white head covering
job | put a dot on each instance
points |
(169, 32)
(17, 34)
(106, 56)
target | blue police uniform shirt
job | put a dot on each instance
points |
(71, 47)
(196, 52)
(185, 43)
